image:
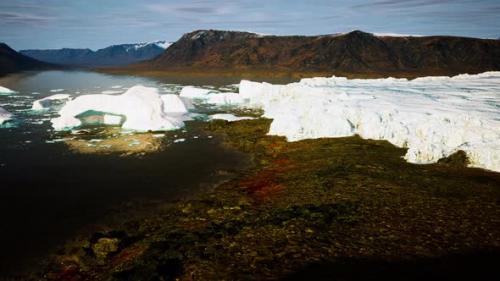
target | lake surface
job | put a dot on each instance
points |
(54, 184)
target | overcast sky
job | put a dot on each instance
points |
(100, 23)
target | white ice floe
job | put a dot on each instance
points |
(431, 116)
(50, 102)
(179, 140)
(139, 109)
(174, 104)
(56, 90)
(112, 92)
(6, 91)
(229, 117)
(4, 116)
(191, 92)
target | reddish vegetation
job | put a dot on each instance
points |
(265, 183)
(128, 255)
(68, 271)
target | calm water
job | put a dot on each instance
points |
(53, 184)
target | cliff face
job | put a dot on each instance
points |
(12, 61)
(354, 52)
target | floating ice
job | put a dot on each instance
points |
(224, 99)
(210, 96)
(139, 109)
(4, 116)
(112, 92)
(431, 116)
(195, 93)
(173, 104)
(50, 101)
(6, 91)
(229, 117)
(56, 90)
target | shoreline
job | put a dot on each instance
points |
(271, 75)
(309, 204)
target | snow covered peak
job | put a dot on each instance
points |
(162, 44)
(134, 47)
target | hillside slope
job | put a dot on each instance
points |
(12, 61)
(351, 53)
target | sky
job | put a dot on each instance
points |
(46, 24)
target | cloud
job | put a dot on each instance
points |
(16, 17)
(405, 3)
(197, 7)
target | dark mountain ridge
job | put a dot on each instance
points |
(115, 55)
(12, 61)
(356, 52)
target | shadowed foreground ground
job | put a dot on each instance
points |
(326, 209)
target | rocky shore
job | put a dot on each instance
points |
(319, 209)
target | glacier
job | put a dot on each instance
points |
(433, 117)
(139, 108)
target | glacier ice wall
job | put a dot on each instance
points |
(431, 116)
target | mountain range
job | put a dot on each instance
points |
(214, 52)
(12, 61)
(115, 55)
(354, 53)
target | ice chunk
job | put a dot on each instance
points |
(6, 91)
(4, 116)
(195, 93)
(173, 104)
(229, 117)
(431, 116)
(140, 109)
(224, 99)
(56, 90)
(111, 92)
(50, 101)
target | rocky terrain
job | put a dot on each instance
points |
(355, 53)
(12, 61)
(317, 209)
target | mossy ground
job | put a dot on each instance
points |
(313, 202)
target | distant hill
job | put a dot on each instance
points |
(12, 61)
(115, 55)
(355, 52)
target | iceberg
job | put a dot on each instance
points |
(4, 116)
(209, 96)
(195, 93)
(174, 104)
(6, 91)
(431, 116)
(139, 108)
(111, 92)
(50, 102)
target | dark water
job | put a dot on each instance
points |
(49, 192)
